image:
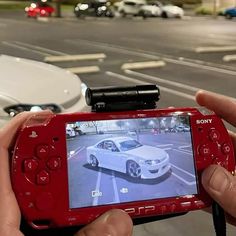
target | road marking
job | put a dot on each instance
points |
(142, 65)
(77, 151)
(147, 54)
(113, 48)
(43, 19)
(50, 51)
(80, 57)
(215, 49)
(98, 183)
(184, 171)
(228, 58)
(83, 69)
(183, 151)
(32, 48)
(183, 180)
(164, 145)
(23, 48)
(115, 188)
(136, 81)
(164, 81)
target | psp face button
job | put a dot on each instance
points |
(214, 135)
(204, 150)
(226, 148)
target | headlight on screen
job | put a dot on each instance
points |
(149, 162)
(16, 109)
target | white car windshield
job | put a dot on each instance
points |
(129, 144)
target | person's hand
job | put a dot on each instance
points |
(217, 181)
(112, 223)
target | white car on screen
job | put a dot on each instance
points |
(156, 8)
(28, 85)
(126, 155)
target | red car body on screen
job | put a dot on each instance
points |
(39, 9)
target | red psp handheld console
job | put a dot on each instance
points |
(68, 169)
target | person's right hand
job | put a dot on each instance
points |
(217, 181)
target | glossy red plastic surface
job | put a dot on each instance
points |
(43, 194)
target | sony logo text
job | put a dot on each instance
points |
(204, 121)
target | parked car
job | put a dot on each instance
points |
(127, 155)
(31, 85)
(229, 13)
(93, 8)
(70, 132)
(156, 8)
(39, 9)
(150, 9)
(130, 7)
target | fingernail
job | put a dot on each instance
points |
(216, 179)
(120, 222)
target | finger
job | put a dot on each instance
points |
(223, 106)
(9, 130)
(7, 134)
(221, 186)
(113, 223)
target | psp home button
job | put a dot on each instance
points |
(44, 201)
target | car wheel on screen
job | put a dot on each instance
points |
(93, 161)
(228, 16)
(133, 169)
(164, 14)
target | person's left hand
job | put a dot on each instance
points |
(113, 223)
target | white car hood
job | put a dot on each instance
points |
(33, 82)
(146, 152)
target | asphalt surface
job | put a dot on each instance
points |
(136, 40)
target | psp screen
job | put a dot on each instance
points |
(127, 160)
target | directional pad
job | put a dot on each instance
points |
(43, 177)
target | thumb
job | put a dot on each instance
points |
(221, 186)
(113, 223)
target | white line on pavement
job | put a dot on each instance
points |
(97, 188)
(136, 81)
(80, 57)
(83, 69)
(185, 181)
(115, 188)
(164, 81)
(183, 151)
(142, 65)
(184, 171)
(42, 49)
(228, 58)
(24, 48)
(215, 49)
(147, 54)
